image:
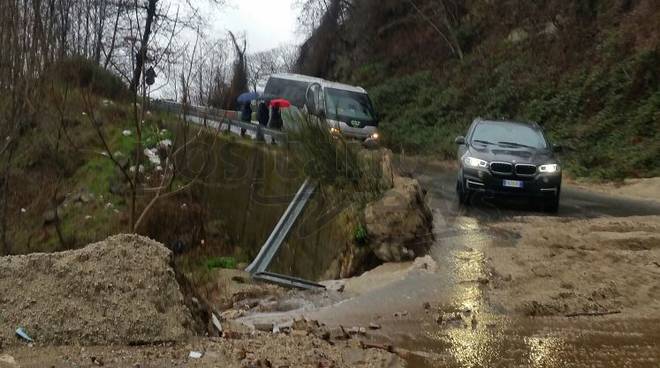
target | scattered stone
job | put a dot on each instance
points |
(97, 361)
(517, 35)
(374, 326)
(425, 263)
(335, 285)
(339, 333)
(231, 314)
(398, 314)
(264, 326)
(86, 197)
(550, 28)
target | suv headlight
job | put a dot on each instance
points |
(474, 162)
(549, 168)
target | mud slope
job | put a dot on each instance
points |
(121, 290)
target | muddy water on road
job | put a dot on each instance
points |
(445, 318)
(487, 336)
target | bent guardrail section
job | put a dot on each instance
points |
(276, 238)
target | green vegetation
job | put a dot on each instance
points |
(360, 235)
(83, 73)
(587, 70)
(606, 114)
(221, 262)
(335, 162)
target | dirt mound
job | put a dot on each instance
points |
(121, 290)
(579, 267)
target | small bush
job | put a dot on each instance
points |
(84, 73)
(331, 160)
(360, 235)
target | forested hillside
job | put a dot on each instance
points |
(587, 70)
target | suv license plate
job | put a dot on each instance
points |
(513, 184)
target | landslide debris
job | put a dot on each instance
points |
(119, 291)
(568, 267)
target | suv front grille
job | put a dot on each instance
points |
(501, 167)
(525, 170)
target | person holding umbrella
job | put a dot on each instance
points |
(246, 111)
(276, 121)
(246, 115)
(263, 115)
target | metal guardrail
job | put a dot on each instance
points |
(218, 116)
(287, 281)
(282, 229)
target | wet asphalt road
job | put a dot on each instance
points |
(499, 340)
(493, 338)
(487, 336)
(440, 182)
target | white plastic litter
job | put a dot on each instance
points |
(195, 355)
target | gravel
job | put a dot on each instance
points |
(119, 291)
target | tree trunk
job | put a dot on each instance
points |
(141, 56)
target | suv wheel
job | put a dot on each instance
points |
(551, 205)
(463, 194)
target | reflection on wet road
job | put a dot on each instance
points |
(484, 337)
(445, 318)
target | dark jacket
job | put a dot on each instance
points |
(275, 119)
(246, 112)
(263, 114)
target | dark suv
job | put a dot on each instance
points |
(506, 158)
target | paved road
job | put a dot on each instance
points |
(497, 340)
(440, 181)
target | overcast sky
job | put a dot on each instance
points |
(267, 23)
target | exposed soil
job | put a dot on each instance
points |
(259, 350)
(584, 267)
(117, 303)
(648, 188)
(121, 290)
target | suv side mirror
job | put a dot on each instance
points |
(557, 148)
(459, 140)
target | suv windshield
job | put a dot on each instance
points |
(343, 104)
(509, 134)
